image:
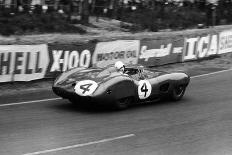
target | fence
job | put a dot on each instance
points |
(30, 62)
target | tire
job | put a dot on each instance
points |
(177, 92)
(72, 101)
(75, 103)
(123, 103)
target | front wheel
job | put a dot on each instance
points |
(123, 103)
(73, 101)
(177, 93)
(76, 103)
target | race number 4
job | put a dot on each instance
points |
(85, 88)
(144, 89)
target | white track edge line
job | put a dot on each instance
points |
(212, 73)
(26, 102)
(80, 145)
(51, 99)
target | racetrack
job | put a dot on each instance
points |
(200, 124)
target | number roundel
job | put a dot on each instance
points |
(85, 88)
(144, 89)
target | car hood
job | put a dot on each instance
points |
(79, 74)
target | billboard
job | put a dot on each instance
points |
(200, 47)
(64, 57)
(23, 62)
(107, 53)
(225, 42)
(160, 52)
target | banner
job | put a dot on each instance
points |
(23, 62)
(31, 62)
(64, 57)
(200, 47)
(225, 42)
(160, 52)
(107, 53)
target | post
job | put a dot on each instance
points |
(85, 12)
(213, 15)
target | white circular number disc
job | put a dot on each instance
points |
(144, 89)
(85, 88)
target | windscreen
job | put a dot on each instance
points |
(106, 72)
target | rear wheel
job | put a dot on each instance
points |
(123, 103)
(178, 92)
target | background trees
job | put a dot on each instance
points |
(152, 15)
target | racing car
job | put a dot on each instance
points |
(106, 85)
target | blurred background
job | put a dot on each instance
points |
(39, 16)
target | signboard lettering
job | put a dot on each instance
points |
(23, 62)
(107, 53)
(64, 60)
(200, 47)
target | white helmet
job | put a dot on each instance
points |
(119, 65)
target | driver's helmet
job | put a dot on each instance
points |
(120, 67)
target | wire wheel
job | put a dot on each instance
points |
(178, 92)
(123, 103)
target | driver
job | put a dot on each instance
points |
(120, 67)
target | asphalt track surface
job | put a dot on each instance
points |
(200, 124)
